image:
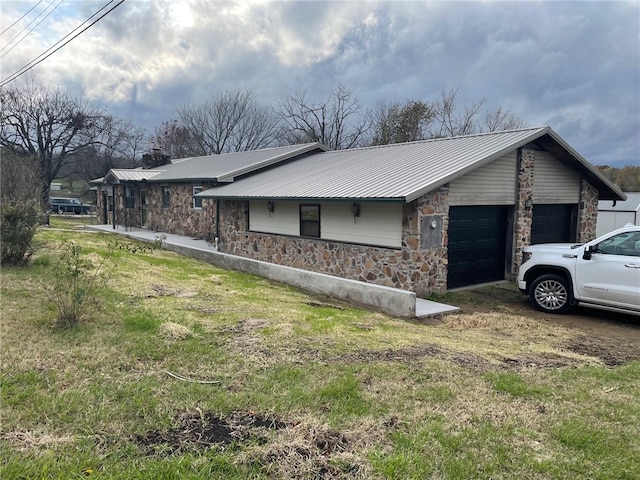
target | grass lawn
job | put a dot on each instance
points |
(184, 370)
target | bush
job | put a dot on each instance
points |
(18, 224)
(77, 284)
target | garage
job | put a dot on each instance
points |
(477, 245)
(553, 224)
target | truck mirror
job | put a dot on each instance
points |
(587, 253)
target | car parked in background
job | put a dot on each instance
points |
(603, 273)
(68, 205)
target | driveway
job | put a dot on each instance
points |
(613, 337)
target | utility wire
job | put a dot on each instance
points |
(71, 32)
(27, 26)
(39, 60)
(28, 12)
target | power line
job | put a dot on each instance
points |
(71, 32)
(28, 12)
(27, 26)
(39, 60)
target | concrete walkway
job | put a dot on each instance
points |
(390, 300)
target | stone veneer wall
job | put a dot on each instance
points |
(587, 213)
(524, 216)
(180, 217)
(412, 267)
(99, 205)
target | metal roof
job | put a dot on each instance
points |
(400, 172)
(631, 204)
(129, 175)
(226, 167)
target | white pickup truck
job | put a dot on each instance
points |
(604, 273)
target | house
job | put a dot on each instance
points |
(423, 216)
(613, 215)
(160, 195)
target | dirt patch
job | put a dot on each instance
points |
(611, 352)
(202, 431)
(546, 360)
(612, 338)
(286, 449)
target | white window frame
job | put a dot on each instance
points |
(197, 189)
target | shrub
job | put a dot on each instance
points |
(18, 224)
(76, 285)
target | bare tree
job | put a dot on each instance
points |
(174, 139)
(501, 119)
(230, 122)
(397, 123)
(48, 125)
(338, 122)
(451, 122)
(19, 176)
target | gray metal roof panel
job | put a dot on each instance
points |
(131, 175)
(631, 204)
(227, 166)
(399, 171)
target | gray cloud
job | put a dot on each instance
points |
(572, 65)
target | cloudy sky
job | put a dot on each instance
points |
(572, 65)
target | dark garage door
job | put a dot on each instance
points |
(553, 224)
(477, 245)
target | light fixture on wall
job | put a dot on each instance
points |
(355, 210)
(528, 204)
(270, 206)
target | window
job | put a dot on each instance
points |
(624, 244)
(197, 202)
(129, 199)
(166, 198)
(310, 221)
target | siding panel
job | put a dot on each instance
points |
(378, 224)
(553, 182)
(492, 184)
(284, 220)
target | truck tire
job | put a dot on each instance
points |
(550, 293)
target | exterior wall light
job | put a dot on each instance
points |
(270, 206)
(355, 210)
(528, 204)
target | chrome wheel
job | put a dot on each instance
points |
(550, 293)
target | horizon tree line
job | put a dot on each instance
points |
(48, 133)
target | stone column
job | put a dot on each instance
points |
(587, 212)
(524, 210)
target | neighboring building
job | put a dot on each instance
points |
(422, 216)
(616, 214)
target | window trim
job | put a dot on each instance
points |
(306, 222)
(194, 199)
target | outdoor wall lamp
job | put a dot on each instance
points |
(355, 209)
(528, 204)
(270, 206)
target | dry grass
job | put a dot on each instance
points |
(356, 394)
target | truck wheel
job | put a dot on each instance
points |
(550, 293)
